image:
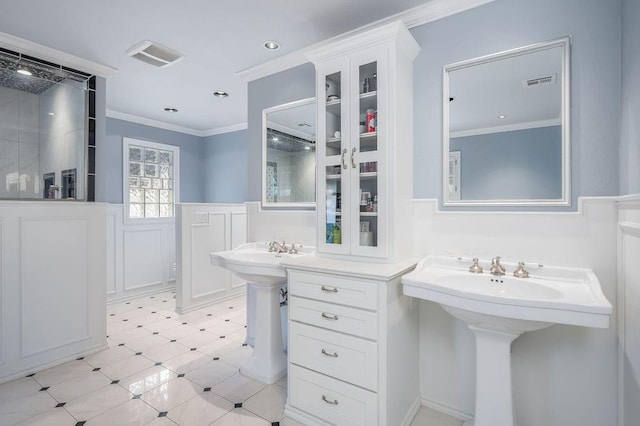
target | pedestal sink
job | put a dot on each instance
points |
(498, 309)
(261, 268)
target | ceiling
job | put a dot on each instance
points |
(218, 38)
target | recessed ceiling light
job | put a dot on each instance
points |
(275, 139)
(220, 93)
(50, 113)
(271, 45)
(24, 71)
(307, 148)
(168, 109)
(502, 116)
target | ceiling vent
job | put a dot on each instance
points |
(540, 81)
(154, 54)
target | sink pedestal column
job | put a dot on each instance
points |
(494, 400)
(268, 362)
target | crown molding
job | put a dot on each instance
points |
(506, 128)
(226, 129)
(428, 12)
(40, 51)
(174, 127)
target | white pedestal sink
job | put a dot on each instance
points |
(253, 262)
(499, 309)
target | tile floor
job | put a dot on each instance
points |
(161, 369)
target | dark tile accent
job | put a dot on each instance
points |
(184, 323)
(206, 390)
(60, 404)
(96, 369)
(139, 326)
(127, 303)
(164, 301)
(136, 396)
(138, 353)
(238, 405)
(163, 414)
(81, 423)
(139, 307)
(125, 320)
(193, 349)
(115, 382)
(209, 315)
(222, 337)
(227, 320)
(168, 317)
(157, 364)
(112, 315)
(44, 388)
(202, 329)
(155, 332)
(244, 344)
(275, 423)
(120, 344)
(216, 358)
(152, 297)
(153, 312)
(181, 375)
(31, 375)
(172, 341)
(230, 307)
(81, 358)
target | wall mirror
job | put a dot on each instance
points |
(506, 128)
(289, 155)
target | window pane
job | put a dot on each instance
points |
(157, 183)
(166, 210)
(150, 155)
(135, 169)
(136, 210)
(136, 195)
(145, 182)
(166, 196)
(135, 153)
(151, 196)
(151, 170)
(166, 158)
(165, 172)
(151, 210)
(134, 182)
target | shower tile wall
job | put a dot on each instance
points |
(19, 143)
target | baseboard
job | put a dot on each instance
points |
(147, 292)
(209, 302)
(302, 417)
(450, 411)
(411, 414)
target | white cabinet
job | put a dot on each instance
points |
(365, 143)
(353, 343)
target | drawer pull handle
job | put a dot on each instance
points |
(334, 402)
(329, 289)
(329, 317)
(333, 355)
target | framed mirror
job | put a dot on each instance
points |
(506, 128)
(289, 155)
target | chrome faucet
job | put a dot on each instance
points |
(277, 247)
(475, 268)
(496, 267)
(521, 272)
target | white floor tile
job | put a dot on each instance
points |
(287, 421)
(166, 352)
(147, 343)
(52, 417)
(18, 388)
(268, 403)
(211, 373)
(196, 340)
(241, 417)
(237, 356)
(128, 335)
(186, 362)
(148, 379)
(219, 347)
(109, 356)
(61, 373)
(132, 412)
(161, 421)
(97, 402)
(179, 331)
(28, 406)
(283, 382)
(78, 386)
(127, 367)
(171, 394)
(238, 388)
(200, 410)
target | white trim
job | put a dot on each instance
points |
(30, 48)
(429, 12)
(508, 128)
(225, 129)
(125, 181)
(174, 127)
(460, 415)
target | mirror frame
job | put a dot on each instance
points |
(564, 44)
(288, 205)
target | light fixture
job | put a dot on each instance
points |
(271, 45)
(307, 148)
(220, 94)
(24, 71)
(275, 139)
(169, 109)
(502, 116)
(50, 113)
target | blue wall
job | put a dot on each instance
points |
(225, 167)
(281, 88)
(109, 161)
(594, 27)
(630, 99)
(511, 165)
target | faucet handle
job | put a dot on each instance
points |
(475, 268)
(496, 267)
(521, 272)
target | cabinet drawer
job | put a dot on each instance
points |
(331, 400)
(334, 317)
(329, 288)
(347, 358)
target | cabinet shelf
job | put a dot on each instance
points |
(368, 175)
(333, 107)
(368, 214)
(334, 177)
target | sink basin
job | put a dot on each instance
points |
(261, 269)
(498, 309)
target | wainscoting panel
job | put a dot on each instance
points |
(54, 274)
(52, 281)
(142, 258)
(628, 312)
(202, 229)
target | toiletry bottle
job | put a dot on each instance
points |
(371, 120)
(375, 203)
(337, 234)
